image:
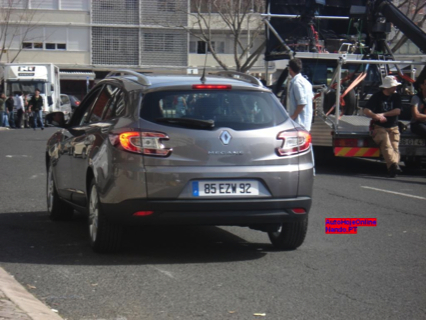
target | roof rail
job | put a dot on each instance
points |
(142, 79)
(239, 75)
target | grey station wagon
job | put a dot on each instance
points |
(180, 150)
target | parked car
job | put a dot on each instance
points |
(180, 150)
(75, 102)
(65, 106)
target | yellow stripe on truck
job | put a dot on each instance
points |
(357, 152)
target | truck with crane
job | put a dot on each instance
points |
(347, 70)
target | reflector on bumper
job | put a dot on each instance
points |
(357, 152)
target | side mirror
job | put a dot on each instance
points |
(56, 119)
(49, 100)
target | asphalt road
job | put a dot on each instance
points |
(228, 272)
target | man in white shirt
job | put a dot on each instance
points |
(301, 95)
(19, 105)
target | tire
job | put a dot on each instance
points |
(350, 102)
(105, 237)
(290, 236)
(329, 100)
(58, 209)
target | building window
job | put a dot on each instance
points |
(166, 5)
(27, 45)
(159, 42)
(220, 47)
(47, 46)
(111, 44)
(201, 47)
(107, 6)
(192, 47)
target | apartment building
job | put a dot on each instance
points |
(100, 35)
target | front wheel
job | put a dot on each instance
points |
(105, 237)
(57, 208)
(290, 235)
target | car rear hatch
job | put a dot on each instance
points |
(216, 143)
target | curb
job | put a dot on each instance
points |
(23, 302)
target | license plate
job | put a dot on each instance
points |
(412, 142)
(225, 188)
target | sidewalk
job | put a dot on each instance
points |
(16, 303)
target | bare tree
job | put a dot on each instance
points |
(415, 10)
(16, 23)
(238, 18)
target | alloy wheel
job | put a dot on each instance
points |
(50, 190)
(93, 214)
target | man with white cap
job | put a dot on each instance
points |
(384, 108)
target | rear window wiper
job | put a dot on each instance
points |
(188, 121)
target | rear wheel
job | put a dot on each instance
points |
(290, 235)
(57, 208)
(350, 102)
(105, 237)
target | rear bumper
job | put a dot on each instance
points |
(241, 212)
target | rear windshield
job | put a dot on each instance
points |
(239, 110)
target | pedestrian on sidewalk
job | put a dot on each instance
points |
(10, 109)
(26, 115)
(384, 108)
(2, 108)
(36, 107)
(19, 106)
(418, 110)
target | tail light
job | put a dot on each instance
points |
(211, 87)
(147, 143)
(294, 141)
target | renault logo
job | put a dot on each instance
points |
(225, 137)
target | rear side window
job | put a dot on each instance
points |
(104, 105)
(239, 110)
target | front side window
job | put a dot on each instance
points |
(239, 110)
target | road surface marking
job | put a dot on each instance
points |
(399, 193)
(167, 273)
(16, 156)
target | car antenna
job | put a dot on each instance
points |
(203, 76)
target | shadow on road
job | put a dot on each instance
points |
(32, 238)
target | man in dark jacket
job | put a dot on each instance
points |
(418, 110)
(36, 107)
(10, 105)
(384, 108)
(2, 108)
